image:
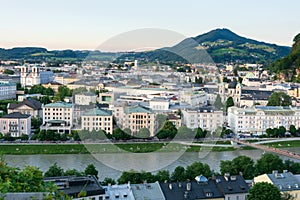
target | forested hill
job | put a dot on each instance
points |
(219, 46)
(288, 68)
(222, 45)
(36, 54)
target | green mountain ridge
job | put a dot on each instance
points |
(218, 46)
(288, 68)
(225, 46)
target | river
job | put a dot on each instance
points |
(112, 165)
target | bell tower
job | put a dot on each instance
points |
(23, 75)
(36, 75)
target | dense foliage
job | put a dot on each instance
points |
(289, 65)
(279, 99)
(264, 191)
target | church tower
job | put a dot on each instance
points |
(222, 92)
(23, 75)
(238, 94)
(36, 79)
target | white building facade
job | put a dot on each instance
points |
(97, 119)
(16, 124)
(259, 118)
(58, 116)
(85, 98)
(205, 118)
(7, 90)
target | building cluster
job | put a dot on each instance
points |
(225, 187)
(134, 98)
(218, 187)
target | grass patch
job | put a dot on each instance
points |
(29, 149)
(43, 149)
(284, 144)
(227, 142)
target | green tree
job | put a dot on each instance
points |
(73, 172)
(91, 170)
(63, 91)
(24, 137)
(160, 120)
(267, 163)
(45, 100)
(264, 191)
(218, 102)
(9, 72)
(36, 122)
(162, 176)
(293, 130)
(54, 170)
(196, 169)
(281, 131)
(178, 174)
(135, 177)
(143, 133)
(107, 181)
(279, 99)
(168, 131)
(185, 133)
(30, 179)
(229, 103)
(119, 134)
(242, 164)
(291, 166)
(200, 133)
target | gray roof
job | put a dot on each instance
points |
(32, 103)
(59, 104)
(72, 186)
(284, 181)
(232, 185)
(16, 115)
(147, 191)
(97, 112)
(203, 190)
(137, 109)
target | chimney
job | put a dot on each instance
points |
(179, 185)
(188, 186)
(226, 176)
(170, 186)
(275, 172)
(213, 177)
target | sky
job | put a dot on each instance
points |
(86, 24)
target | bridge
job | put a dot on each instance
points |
(269, 149)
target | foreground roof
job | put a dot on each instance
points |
(16, 115)
(59, 104)
(97, 112)
(198, 190)
(32, 103)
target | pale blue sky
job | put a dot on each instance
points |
(84, 24)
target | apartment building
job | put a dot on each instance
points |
(29, 106)
(135, 118)
(259, 118)
(7, 90)
(58, 116)
(85, 98)
(207, 118)
(286, 182)
(16, 124)
(97, 119)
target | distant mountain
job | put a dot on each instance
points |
(37, 54)
(221, 44)
(288, 68)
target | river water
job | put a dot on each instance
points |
(112, 165)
